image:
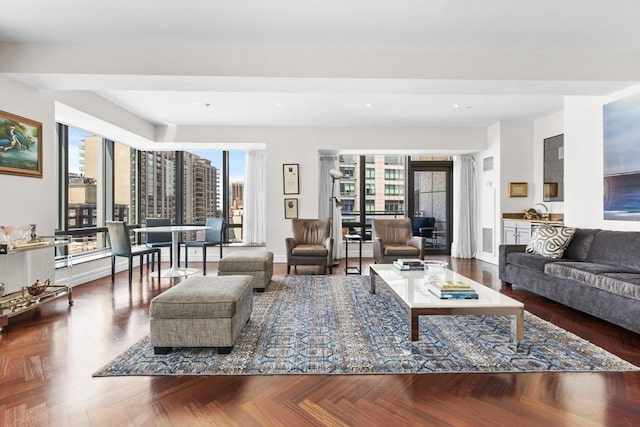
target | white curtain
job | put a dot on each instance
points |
(327, 162)
(464, 207)
(254, 230)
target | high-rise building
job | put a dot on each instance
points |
(384, 186)
(152, 192)
(237, 194)
(236, 210)
(157, 184)
(201, 189)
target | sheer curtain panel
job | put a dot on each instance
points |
(464, 207)
(254, 197)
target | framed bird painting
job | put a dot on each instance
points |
(20, 146)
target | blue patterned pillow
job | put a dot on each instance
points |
(550, 241)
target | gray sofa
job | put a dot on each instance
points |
(598, 274)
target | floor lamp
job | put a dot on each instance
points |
(334, 202)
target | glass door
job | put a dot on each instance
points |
(430, 204)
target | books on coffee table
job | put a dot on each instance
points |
(413, 264)
(452, 290)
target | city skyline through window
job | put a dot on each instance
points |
(145, 184)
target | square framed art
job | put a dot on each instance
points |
(518, 189)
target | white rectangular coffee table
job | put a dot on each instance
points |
(411, 288)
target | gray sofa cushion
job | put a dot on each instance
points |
(530, 261)
(616, 280)
(578, 248)
(621, 248)
(625, 284)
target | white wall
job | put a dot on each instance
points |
(511, 145)
(27, 200)
(516, 164)
(488, 185)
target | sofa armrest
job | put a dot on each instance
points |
(503, 251)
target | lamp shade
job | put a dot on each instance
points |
(335, 174)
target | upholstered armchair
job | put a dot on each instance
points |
(311, 243)
(393, 239)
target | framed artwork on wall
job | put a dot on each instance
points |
(20, 146)
(621, 180)
(290, 178)
(290, 208)
(518, 189)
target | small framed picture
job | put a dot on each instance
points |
(518, 189)
(290, 208)
(290, 178)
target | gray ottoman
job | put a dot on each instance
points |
(258, 264)
(201, 312)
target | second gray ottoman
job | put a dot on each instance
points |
(258, 264)
(201, 312)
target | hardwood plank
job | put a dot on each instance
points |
(48, 356)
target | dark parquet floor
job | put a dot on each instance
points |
(47, 358)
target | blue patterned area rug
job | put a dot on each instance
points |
(333, 325)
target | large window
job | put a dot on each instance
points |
(373, 187)
(102, 180)
(222, 180)
(82, 188)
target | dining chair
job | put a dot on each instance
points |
(212, 237)
(159, 240)
(120, 243)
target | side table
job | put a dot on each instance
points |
(353, 269)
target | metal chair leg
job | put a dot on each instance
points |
(204, 260)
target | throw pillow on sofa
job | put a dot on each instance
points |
(550, 241)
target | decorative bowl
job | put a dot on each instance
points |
(38, 287)
(434, 264)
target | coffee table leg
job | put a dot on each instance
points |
(520, 325)
(414, 326)
(372, 276)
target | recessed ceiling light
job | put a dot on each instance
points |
(367, 105)
(278, 104)
(456, 105)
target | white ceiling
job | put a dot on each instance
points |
(554, 26)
